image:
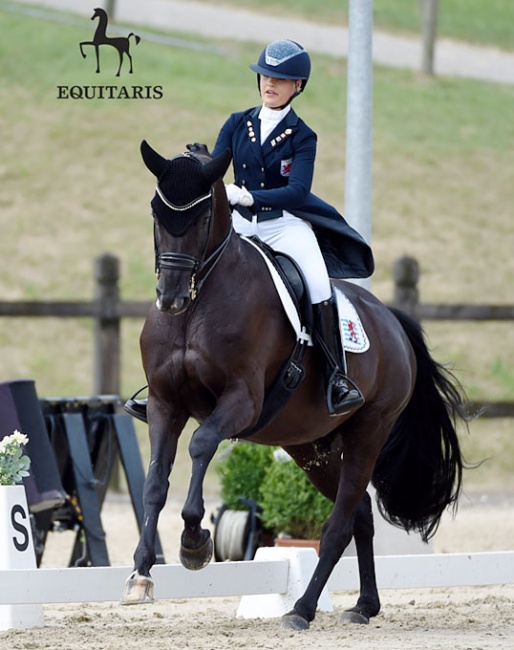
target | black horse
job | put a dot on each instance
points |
(212, 345)
(120, 43)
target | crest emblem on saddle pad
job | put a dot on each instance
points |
(352, 331)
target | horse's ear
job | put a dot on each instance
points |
(153, 160)
(217, 167)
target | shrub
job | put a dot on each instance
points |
(242, 468)
(290, 503)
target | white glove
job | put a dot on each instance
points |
(238, 195)
(233, 193)
(246, 199)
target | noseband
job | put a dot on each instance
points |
(184, 261)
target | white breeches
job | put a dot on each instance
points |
(294, 237)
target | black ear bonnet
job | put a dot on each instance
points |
(182, 196)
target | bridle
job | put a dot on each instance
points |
(184, 261)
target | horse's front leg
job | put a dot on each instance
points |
(164, 434)
(97, 51)
(232, 415)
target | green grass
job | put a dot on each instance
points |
(72, 186)
(478, 21)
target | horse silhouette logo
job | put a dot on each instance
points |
(120, 43)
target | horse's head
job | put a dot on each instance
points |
(99, 13)
(183, 208)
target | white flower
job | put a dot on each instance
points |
(14, 464)
(19, 437)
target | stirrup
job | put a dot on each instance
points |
(137, 407)
(352, 399)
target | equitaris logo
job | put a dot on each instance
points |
(122, 44)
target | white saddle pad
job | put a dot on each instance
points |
(286, 299)
(353, 335)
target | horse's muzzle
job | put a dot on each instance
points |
(174, 306)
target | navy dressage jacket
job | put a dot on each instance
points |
(279, 176)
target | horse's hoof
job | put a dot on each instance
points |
(293, 621)
(138, 590)
(195, 559)
(353, 618)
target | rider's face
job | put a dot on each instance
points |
(277, 92)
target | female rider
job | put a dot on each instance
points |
(273, 153)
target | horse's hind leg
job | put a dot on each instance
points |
(121, 51)
(368, 604)
(164, 434)
(360, 451)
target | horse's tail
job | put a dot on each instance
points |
(136, 37)
(419, 471)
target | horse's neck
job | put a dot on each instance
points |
(222, 226)
(102, 28)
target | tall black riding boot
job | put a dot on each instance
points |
(341, 398)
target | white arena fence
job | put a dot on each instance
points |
(269, 585)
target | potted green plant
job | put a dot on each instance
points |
(238, 529)
(288, 505)
(241, 469)
(291, 505)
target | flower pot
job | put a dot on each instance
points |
(298, 543)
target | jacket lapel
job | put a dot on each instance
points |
(253, 131)
(280, 133)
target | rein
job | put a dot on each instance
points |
(186, 262)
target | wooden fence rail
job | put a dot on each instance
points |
(107, 309)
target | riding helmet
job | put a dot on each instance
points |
(284, 59)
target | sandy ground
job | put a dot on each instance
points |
(479, 618)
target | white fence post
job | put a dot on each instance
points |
(17, 552)
(302, 562)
